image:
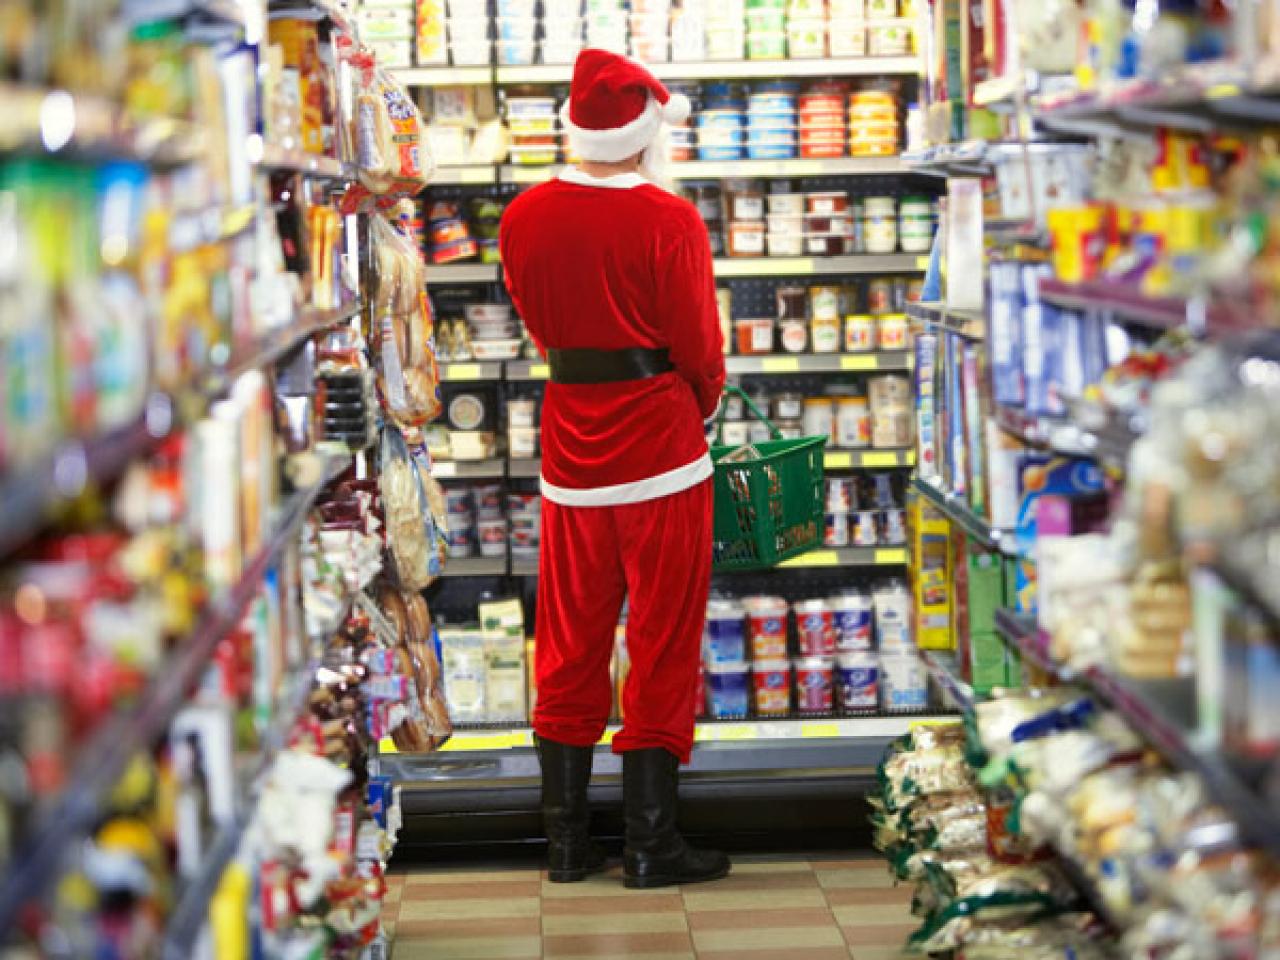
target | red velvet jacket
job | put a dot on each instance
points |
(609, 264)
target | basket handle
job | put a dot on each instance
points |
(731, 390)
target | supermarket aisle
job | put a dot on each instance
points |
(800, 909)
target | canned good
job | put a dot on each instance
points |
(864, 529)
(891, 331)
(853, 423)
(836, 533)
(788, 406)
(857, 677)
(859, 333)
(819, 414)
(880, 296)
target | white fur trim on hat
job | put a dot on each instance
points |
(618, 143)
(677, 109)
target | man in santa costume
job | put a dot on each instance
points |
(613, 277)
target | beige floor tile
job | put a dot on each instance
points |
(739, 919)
(875, 879)
(774, 940)
(630, 922)
(759, 881)
(854, 896)
(872, 913)
(469, 948)
(613, 945)
(884, 935)
(470, 890)
(469, 909)
(765, 865)
(460, 929)
(668, 901)
(698, 899)
(603, 885)
(452, 875)
(880, 953)
(790, 953)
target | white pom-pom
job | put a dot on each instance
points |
(677, 109)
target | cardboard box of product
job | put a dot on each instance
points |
(986, 591)
(931, 578)
(1040, 477)
(988, 662)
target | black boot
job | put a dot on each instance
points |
(656, 855)
(566, 771)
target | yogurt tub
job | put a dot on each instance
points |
(516, 52)
(891, 602)
(848, 38)
(815, 632)
(814, 684)
(904, 683)
(754, 335)
(788, 204)
(470, 54)
(766, 627)
(857, 681)
(766, 46)
(851, 621)
(734, 433)
(725, 633)
(728, 687)
(807, 39)
(772, 682)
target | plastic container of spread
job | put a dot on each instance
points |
(815, 632)
(766, 627)
(853, 423)
(859, 333)
(829, 202)
(807, 38)
(857, 681)
(725, 633)
(851, 620)
(746, 238)
(788, 406)
(904, 684)
(785, 244)
(771, 45)
(891, 331)
(787, 204)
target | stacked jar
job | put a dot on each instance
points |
(915, 224)
(771, 122)
(828, 224)
(822, 121)
(650, 23)
(706, 198)
(561, 30)
(524, 512)
(682, 138)
(770, 669)
(607, 25)
(522, 428)
(891, 412)
(847, 28)
(866, 510)
(727, 672)
(468, 28)
(475, 518)
(766, 29)
(746, 206)
(806, 29)
(533, 124)
(880, 224)
(720, 123)
(873, 124)
(786, 226)
(689, 31)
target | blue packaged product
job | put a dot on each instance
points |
(719, 153)
(725, 633)
(728, 689)
(771, 152)
(857, 681)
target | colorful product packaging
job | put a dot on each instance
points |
(931, 579)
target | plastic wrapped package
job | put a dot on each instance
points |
(405, 509)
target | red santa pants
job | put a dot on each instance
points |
(656, 553)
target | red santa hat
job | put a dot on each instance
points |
(616, 107)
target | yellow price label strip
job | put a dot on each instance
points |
(819, 731)
(895, 555)
(860, 361)
(608, 736)
(814, 558)
(237, 220)
(838, 461)
(463, 371)
(476, 175)
(780, 364)
(1220, 91)
(463, 742)
(540, 371)
(880, 459)
(387, 745)
(725, 731)
(922, 263)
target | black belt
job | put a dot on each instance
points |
(607, 366)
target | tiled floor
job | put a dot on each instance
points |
(769, 909)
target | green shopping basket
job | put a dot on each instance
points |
(767, 509)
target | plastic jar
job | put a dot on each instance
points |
(793, 303)
(766, 46)
(787, 204)
(728, 689)
(904, 684)
(851, 619)
(746, 238)
(826, 333)
(857, 679)
(879, 296)
(794, 335)
(865, 531)
(834, 201)
(836, 529)
(754, 335)
(815, 633)
(853, 423)
(766, 627)
(814, 685)
(788, 406)
(915, 225)
(725, 633)
(734, 433)
(772, 687)
(891, 331)
(880, 225)
(859, 333)
(746, 201)
(840, 494)
(807, 38)
(785, 244)
(819, 416)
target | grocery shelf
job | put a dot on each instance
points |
(868, 459)
(1128, 302)
(970, 324)
(189, 230)
(525, 469)
(969, 158)
(470, 372)
(443, 76)
(717, 169)
(820, 362)
(524, 566)
(820, 266)
(943, 669)
(475, 567)
(492, 469)
(1162, 712)
(522, 370)
(959, 512)
(275, 157)
(732, 69)
(847, 557)
(43, 121)
(104, 759)
(1059, 434)
(438, 273)
(467, 173)
(274, 344)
